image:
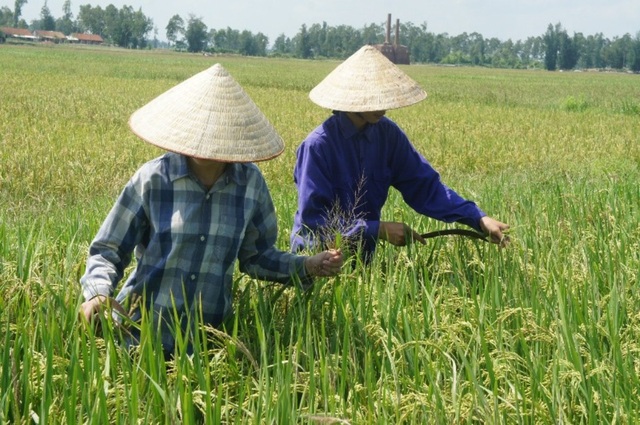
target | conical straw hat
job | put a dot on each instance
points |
(366, 81)
(208, 116)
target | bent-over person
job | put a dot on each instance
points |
(191, 214)
(345, 167)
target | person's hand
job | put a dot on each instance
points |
(398, 234)
(327, 263)
(96, 305)
(495, 229)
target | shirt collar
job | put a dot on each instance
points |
(349, 130)
(178, 168)
(346, 126)
(237, 172)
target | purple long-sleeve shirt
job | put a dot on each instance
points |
(343, 177)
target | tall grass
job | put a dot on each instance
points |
(545, 331)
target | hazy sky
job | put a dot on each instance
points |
(504, 19)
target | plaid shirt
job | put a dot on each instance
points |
(186, 241)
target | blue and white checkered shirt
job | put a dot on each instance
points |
(186, 241)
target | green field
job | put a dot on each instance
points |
(546, 331)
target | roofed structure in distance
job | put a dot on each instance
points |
(88, 38)
(18, 33)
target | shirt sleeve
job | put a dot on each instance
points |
(258, 257)
(422, 188)
(111, 250)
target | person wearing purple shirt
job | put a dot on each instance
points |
(345, 167)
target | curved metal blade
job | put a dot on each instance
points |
(460, 232)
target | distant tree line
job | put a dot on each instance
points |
(553, 50)
(124, 27)
(593, 51)
(194, 36)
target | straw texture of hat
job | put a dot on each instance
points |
(367, 81)
(208, 116)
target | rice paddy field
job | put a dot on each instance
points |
(546, 331)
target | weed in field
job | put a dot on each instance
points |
(630, 107)
(575, 104)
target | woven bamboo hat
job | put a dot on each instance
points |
(366, 81)
(208, 116)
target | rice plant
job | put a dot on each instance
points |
(457, 331)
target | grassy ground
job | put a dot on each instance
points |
(546, 331)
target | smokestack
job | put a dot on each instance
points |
(397, 40)
(388, 37)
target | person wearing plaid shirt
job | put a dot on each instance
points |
(189, 218)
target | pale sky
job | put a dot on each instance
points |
(503, 19)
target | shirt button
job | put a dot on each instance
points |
(193, 277)
(208, 196)
(202, 238)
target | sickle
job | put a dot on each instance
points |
(460, 232)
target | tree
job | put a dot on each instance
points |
(233, 40)
(66, 9)
(551, 47)
(196, 34)
(47, 23)
(65, 23)
(17, 11)
(343, 40)
(507, 55)
(634, 59)
(418, 41)
(580, 44)
(124, 27)
(301, 41)
(175, 29)
(373, 34)
(476, 48)
(218, 39)
(253, 45)
(92, 19)
(247, 45)
(618, 53)
(592, 48)
(352, 38)
(442, 47)
(261, 42)
(226, 40)
(282, 45)
(140, 26)
(317, 40)
(6, 16)
(113, 26)
(568, 54)
(460, 49)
